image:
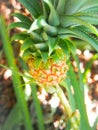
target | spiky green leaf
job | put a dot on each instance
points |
(28, 43)
(88, 5)
(61, 6)
(73, 6)
(23, 25)
(53, 16)
(65, 47)
(52, 42)
(74, 21)
(41, 46)
(44, 55)
(86, 37)
(23, 18)
(77, 33)
(90, 16)
(33, 6)
(20, 36)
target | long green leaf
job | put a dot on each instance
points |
(89, 4)
(79, 100)
(19, 24)
(23, 18)
(67, 85)
(92, 9)
(90, 16)
(73, 6)
(53, 18)
(86, 37)
(52, 42)
(37, 107)
(75, 57)
(61, 6)
(20, 36)
(65, 47)
(88, 66)
(81, 35)
(33, 6)
(15, 78)
(74, 21)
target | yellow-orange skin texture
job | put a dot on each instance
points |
(49, 73)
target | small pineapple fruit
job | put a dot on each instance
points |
(48, 73)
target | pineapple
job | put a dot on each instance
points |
(46, 39)
(46, 43)
(49, 73)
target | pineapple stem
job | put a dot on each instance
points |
(74, 116)
(63, 100)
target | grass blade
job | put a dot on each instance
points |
(15, 78)
(37, 107)
(79, 100)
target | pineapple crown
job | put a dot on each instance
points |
(53, 22)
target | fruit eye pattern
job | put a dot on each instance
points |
(48, 76)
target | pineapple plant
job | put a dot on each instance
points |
(46, 40)
(50, 25)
